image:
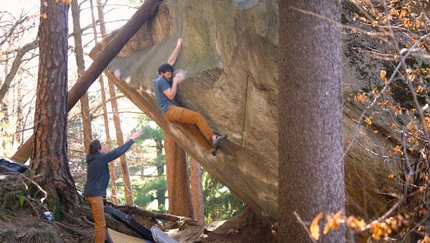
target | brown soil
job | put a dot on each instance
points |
(247, 227)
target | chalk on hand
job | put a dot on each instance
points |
(181, 74)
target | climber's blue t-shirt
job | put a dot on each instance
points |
(160, 85)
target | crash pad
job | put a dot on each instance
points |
(8, 166)
(118, 237)
(130, 221)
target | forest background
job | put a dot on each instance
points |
(19, 59)
(412, 178)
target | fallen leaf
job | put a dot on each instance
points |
(315, 228)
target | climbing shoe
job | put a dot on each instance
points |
(218, 139)
(214, 150)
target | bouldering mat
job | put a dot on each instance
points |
(130, 222)
(10, 167)
(118, 237)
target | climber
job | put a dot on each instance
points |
(165, 91)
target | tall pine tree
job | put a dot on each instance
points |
(311, 174)
(49, 157)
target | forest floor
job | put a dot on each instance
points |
(24, 227)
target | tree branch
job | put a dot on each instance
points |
(145, 12)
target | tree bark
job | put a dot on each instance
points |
(116, 120)
(113, 190)
(79, 52)
(120, 141)
(145, 12)
(311, 173)
(49, 163)
(197, 190)
(178, 187)
(161, 192)
(18, 111)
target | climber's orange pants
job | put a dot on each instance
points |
(193, 122)
(97, 207)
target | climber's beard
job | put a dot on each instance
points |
(167, 76)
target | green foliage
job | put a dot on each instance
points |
(21, 201)
(157, 183)
(141, 199)
(146, 186)
(160, 161)
(219, 203)
(12, 193)
(150, 130)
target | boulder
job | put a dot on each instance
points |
(229, 53)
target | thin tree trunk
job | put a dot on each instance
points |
(15, 67)
(116, 120)
(5, 141)
(4, 102)
(311, 173)
(161, 192)
(114, 197)
(49, 162)
(19, 115)
(79, 52)
(197, 190)
(145, 12)
(86, 122)
(178, 187)
(120, 141)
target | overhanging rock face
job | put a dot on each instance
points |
(230, 55)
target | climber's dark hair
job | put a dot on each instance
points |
(94, 146)
(165, 68)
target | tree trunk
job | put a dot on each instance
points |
(4, 110)
(311, 173)
(116, 120)
(15, 67)
(145, 12)
(161, 192)
(120, 141)
(197, 190)
(18, 112)
(79, 52)
(178, 187)
(114, 196)
(86, 122)
(49, 161)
